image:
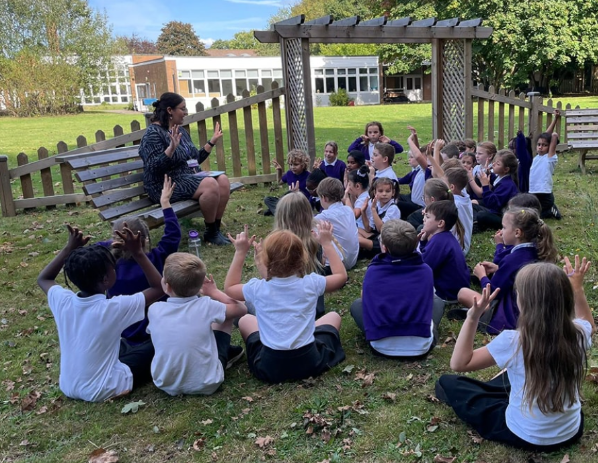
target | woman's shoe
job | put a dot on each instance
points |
(215, 237)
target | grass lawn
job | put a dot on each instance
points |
(366, 409)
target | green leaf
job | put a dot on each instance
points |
(132, 407)
(348, 369)
(402, 437)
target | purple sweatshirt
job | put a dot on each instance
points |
(443, 253)
(525, 162)
(397, 297)
(335, 171)
(496, 199)
(289, 178)
(358, 144)
(506, 312)
(130, 279)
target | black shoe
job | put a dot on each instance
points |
(555, 212)
(216, 238)
(234, 354)
(457, 314)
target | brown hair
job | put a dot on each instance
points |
(525, 200)
(490, 147)
(284, 255)
(535, 231)
(385, 181)
(370, 124)
(298, 155)
(386, 150)
(451, 163)
(398, 237)
(553, 348)
(185, 273)
(447, 210)
(437, 189)
(293, 212)
(332, 189)
(510, 160)
(334, 146)
(470, 143)
(451, 150)
(457, 176)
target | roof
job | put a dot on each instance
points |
(215, 53)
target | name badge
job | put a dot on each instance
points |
(192, 163)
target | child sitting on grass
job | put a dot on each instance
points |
(396, 310)
(95, 364)
(331, 165)
(295, 177)
(341, 217)
(191, 334)
(129, 276)
(382, 159)
(283, 341)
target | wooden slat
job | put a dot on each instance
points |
(428, 22)
(47, 182)
(116, 196)
(233, 129)
(401, 22)
(254, 179)
(581, 112)
(69, 155)
(571, 128)
(491, 115)
(103, 157)
(452, 22)
(26, 183)
(66, 173)
(87, 175)
(584, 144)
(249, 140)
(470, 23)
(124, 209)
(278, 140)
(346, 22)
(501, 120)
(582, 120)
(106, 185)
(499, 98)
(374, 22)
(324, 20)
(50, 201)
(580, 135)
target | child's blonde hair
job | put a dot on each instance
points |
(534, 230)
(293, 212)
(185, 273)
(554, 356)
(283, 254)
(489, 147)
(136, 225)
(296, 155)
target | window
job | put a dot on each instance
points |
(240, 82)
(266, 73)
(252, 73)
(252, 84)
(363, 70)
(184, 74)
(417, 83)
(342, 83)
(185, 88)
(199, 87)
(318, 72)
(319, 85)
(409, 85)
(124, 99)
(197, 74)
(352, 84)
(341, 72)
(329, 72)
(363, 84)
(113, 90)
(330, 85)
(123, 89)
(213, 86)
(267, 83)
(114, 99)
(227, 86)
(373, 83)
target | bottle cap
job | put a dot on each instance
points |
(193, 234)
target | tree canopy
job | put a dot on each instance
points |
(178, 38)
(135, 45)
(49, 51)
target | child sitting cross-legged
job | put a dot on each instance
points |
(398, 322)
(283, 341)
(191, 334)
(441, 250)
(95, 364)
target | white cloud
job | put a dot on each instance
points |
(230, 25)
(207, 42)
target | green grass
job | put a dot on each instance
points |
(387, 420)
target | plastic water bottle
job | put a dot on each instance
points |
(194, 243)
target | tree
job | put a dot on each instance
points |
(49, 51)
(177, 38)
(136, 45)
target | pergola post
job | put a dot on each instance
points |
(437, 88)
(298, 99)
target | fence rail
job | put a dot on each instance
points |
(56, 179)
(500, 115)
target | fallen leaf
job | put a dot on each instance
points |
(348, 369)
(565, 459)
(199, 444)
(592, 375)
(390, 396)
(103, 456)
(29, 401)
(248, 399)
(440, 459)
(42, 410)
(475, 437)
(24, 264)
(432, 428)
(132, 407)
(206, 422)
(262, 442)
(24, 443)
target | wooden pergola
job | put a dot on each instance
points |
(451, 66)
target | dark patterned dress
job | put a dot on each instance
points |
(156, 164)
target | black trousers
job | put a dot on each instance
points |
(138, 358)
(483, 406)
(546, 202)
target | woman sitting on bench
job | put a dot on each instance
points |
(166, 148)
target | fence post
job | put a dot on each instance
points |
(533, 116)
(249, 141)
(6, 200)
(148, 118)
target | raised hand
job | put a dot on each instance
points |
(209, 286)
(317, 163)
(482, 304)
(167, 189)
(242, 242)
(175, 139)
(217, 134)
(422, 236)
(412, 130)
(324, 232)
(294, 186)
(131, 242)
(490, 267)
(365, 139)
(480, 271)
(76, 238)
(484, 177)
(577, 272)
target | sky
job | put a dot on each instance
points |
(211, 19)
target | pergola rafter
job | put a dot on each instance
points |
(451, 65)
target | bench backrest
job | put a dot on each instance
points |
(582, 128)
(113, 178)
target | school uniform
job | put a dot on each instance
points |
(396, 309)
(334, 169)
(495, 199)
(414, 201)
(290, 179)
(359, 202)
(496, 409)
(525, 162)
(343, 219)
(540, 182)
(465, 212)
(386, 173)
(368, 148)
(504, 312)
(445, 257)
(288, 346)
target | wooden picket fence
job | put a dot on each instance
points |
(500, 115)
(17, 183)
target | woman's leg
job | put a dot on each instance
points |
(208, 195)
(224, 190)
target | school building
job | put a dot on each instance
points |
(141, 78)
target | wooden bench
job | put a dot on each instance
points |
(581, 126)
(114, 181)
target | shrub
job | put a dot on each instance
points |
(340, 98)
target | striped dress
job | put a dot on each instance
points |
(156, 164)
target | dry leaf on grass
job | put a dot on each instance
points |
(103, 456)
(248, 399)
(199, 444)
(440, 459)
(565, 459)
(390, 396)
(592, 375)
(262, 442)
(29, 401)
(206, 422)
(475, 437)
